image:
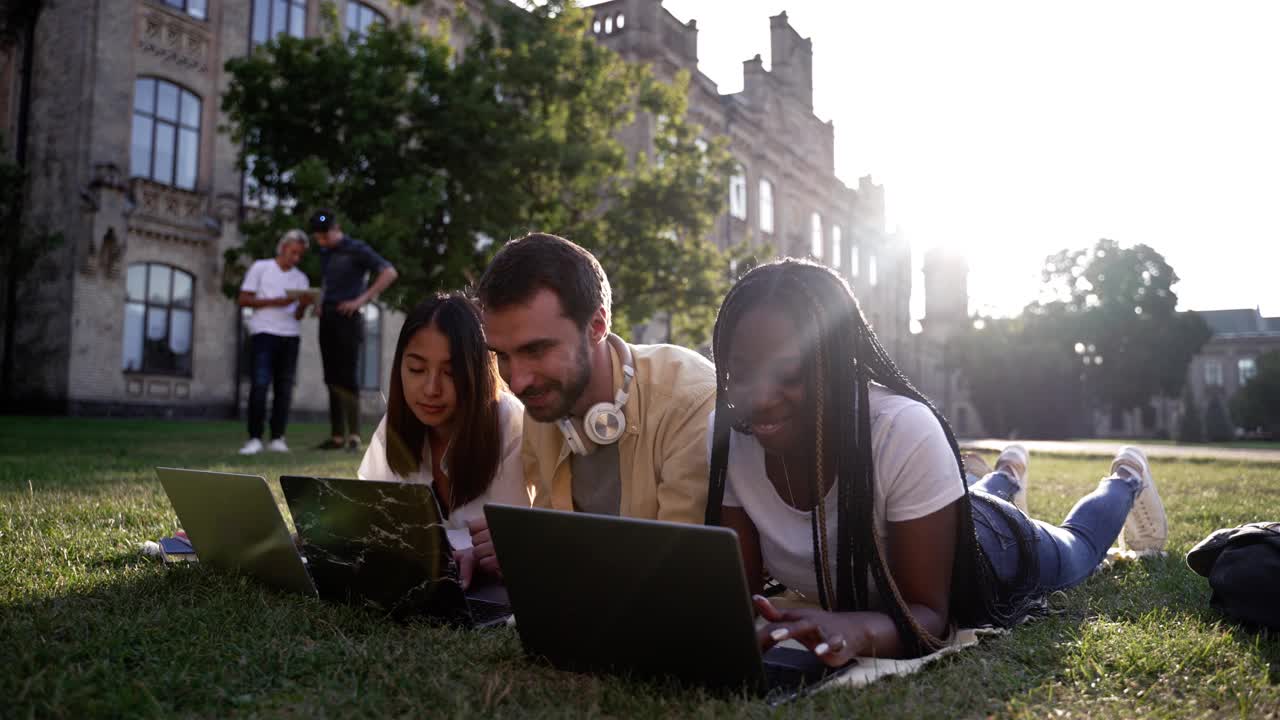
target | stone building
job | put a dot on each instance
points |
(1226, 362)
(785, 192)
(127, 315)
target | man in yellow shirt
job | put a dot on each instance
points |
(610, 428)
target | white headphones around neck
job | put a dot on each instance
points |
(604, 422)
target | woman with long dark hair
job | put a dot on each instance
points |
(450, 423)
(846, 485)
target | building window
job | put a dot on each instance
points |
(1248, 368)
(815, 235)
(766, 207)
(198, 9)
(854, 260)
(837, 252)
(622, 21)
(738, 193)
(166, 133)
(275, 17)
(369, 366)
(360, 17)
(873, 273)
(158, 319)
(1213, 372)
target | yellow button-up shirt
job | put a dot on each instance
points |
(662, 455)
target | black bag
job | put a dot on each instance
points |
(1243, 567)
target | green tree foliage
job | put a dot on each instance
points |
(1022, 377)
(1217, 423)
(1257, 404)
(436, 157)
(1191, 426)
(1125, 303)
(1106, 334)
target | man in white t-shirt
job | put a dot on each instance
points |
(274, 330)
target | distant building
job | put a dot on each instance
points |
(1222, 367)
(128, 316)
(785, 193)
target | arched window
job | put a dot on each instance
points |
(837, 252)
(198, 9)
(854, 260)
(738, 193)
(608, 25)
(873, 275)
(369, 365)
(166, 133)
(766, 206)
(159, 301)
(360, 17)
(621, 21)
(815, 235)
(595, 26)
(273, 17)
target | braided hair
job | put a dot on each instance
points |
(846, 358)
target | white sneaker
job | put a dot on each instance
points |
(277, 445)
(253, 447)
(1147, 528)
(1015, 458)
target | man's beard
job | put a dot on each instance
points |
(569, 393)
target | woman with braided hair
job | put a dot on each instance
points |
(846, 485)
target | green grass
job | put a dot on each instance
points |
(1240, 444)
(89, 627)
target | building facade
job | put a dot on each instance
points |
(127, 314)
(784, 193)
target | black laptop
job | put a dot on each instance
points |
(638, 597)
(384, 545)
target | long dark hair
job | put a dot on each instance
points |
(476, 448)
(846, 357)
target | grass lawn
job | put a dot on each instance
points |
(89, 627)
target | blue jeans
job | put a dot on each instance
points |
(274, 362)
(1068, 553)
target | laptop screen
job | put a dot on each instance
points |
(379, 544)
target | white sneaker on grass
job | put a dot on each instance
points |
(253, 447)
(1013, 460)
(278, 445)
(1147, 527)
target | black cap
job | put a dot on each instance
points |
(322, 221)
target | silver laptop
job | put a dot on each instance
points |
(234, 525)
(638, 597)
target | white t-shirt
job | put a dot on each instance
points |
(915, 475)
(507, 488)
(267, 281)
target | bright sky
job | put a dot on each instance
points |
(1015, 129)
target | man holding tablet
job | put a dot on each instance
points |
(278, 293)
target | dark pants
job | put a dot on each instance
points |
(275, 360)
(340, 337)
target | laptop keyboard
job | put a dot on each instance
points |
(485, 613)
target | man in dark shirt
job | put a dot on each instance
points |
(345, 264)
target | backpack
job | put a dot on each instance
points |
(1243, 567)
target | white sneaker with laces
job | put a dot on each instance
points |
(1147, 527)
(1014, 458)
(253, 447)
(278, 445)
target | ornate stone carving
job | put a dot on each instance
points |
(168, 213)
(174, 38)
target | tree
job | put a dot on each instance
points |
(1257, 404)
(1191, 426)
(1021, 375)
(1123, 298)
(1217, 424)
(436, 157)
